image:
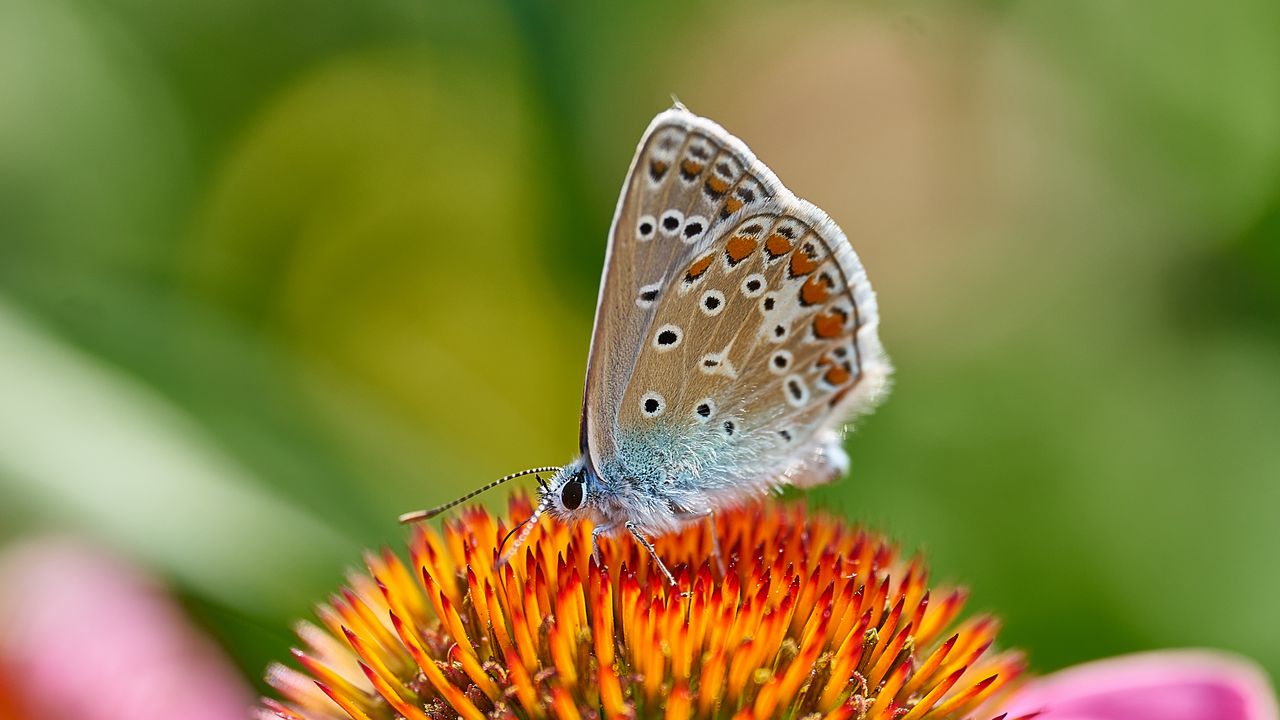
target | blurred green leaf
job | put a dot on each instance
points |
(100, 454)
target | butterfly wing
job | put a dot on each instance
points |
(742, 349)
(688, 177)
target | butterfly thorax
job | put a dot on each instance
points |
(610, 499)
(660, 480)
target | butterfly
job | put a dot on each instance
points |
(736, 334)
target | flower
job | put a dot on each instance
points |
(85, 635)
(1167, 685)
(812, 618)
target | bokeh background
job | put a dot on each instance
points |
(272, 273)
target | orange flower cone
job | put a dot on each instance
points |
(812, 619)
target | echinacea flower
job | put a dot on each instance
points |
(1165, 685)
(811, 619)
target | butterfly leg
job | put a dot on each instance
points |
(715, 542)
(710, 515)
(653, 553)
(596, 532)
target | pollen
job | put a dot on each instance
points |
(811, 618)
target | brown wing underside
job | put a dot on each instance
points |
(730, 310)
(688, 176)
(761, 339)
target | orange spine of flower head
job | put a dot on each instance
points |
(812, 617)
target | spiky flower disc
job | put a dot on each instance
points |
(813, 619)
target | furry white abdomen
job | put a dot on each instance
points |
(663, 487)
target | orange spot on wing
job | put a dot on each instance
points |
(802, 264)
(738, 248)
(814, 291)
(732, 205)
(689, 168)
(829, 324)
(837, 376)
(717, 185)
(698, 267)
(777, 245)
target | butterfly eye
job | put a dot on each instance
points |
(571, 495)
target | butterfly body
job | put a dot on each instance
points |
(735, 337)
(661, 480)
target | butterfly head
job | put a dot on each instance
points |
(572, 493)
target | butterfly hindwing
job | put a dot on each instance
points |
(774, 330)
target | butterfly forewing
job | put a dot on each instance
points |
(688, 178)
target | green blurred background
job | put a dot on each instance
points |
(239, 335)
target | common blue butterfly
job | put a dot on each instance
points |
(735, 336)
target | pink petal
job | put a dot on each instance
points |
(1166, 685)
(82, 635)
